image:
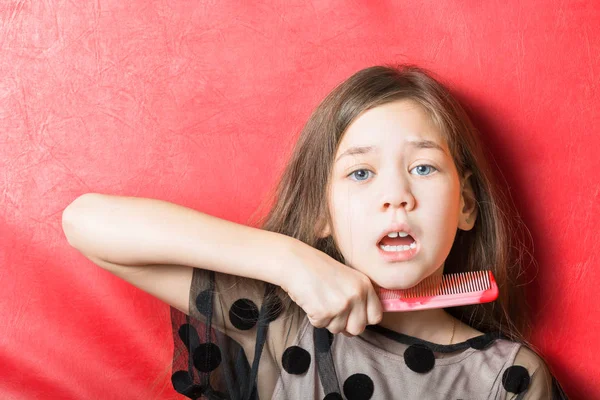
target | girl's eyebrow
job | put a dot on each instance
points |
(419, 144)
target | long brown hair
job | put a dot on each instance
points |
(300, 203)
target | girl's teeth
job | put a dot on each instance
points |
(398, 248)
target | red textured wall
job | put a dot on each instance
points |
(182, 100)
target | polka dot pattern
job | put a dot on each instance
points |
(516, 379)
(243, 314)
(212, 349)
(295, 360)
(188, 335)
(182, 383)
(203, 302)
(207, 357)
(358, 387)
(419, 358)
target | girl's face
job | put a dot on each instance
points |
(393, 167)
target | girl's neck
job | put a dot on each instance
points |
(434, 325)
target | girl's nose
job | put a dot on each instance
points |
(397, 194)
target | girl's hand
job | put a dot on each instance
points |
(333, 295)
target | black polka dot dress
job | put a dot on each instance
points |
(245, 340)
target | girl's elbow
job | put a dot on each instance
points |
(72, 215)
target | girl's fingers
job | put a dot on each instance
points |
(338, 323)
(319, 323)
(374, 308)
(357, 319)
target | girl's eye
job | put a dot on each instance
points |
(423, 168)
(365, 171)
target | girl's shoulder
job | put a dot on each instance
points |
(529, 373)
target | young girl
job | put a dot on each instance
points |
(388, 185)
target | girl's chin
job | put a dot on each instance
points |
(395, 282)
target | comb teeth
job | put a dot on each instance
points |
(448, 290)
(464, 282)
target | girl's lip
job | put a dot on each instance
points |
(396, 227)
(397, 256)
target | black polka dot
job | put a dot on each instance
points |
(188, 335)
(358, 387)
(182, 383)
(333, 396)
(243, 314)
(207, 357)
(203, 302)
(273, 307)
(295, 360)
(480, 342)
(515, 379)
(323, 340)
(419, 358)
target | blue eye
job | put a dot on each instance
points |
(422, 171)
(358, 170)
(423, 166)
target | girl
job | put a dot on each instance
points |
(388, 185)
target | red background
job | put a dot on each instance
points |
(198, 103)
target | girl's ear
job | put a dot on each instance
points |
(322, 227)
(324, 230)
(468, 204)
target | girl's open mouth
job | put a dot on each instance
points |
(398, 248)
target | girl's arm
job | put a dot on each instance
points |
(155, 246)
(134, 231)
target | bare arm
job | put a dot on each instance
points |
(135, 231)
(159, 247)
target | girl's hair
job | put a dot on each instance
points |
(300, 200)
(496, 242)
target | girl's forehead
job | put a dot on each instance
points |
(399, 118)
(401, 125)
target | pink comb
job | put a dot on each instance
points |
(448, 290)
